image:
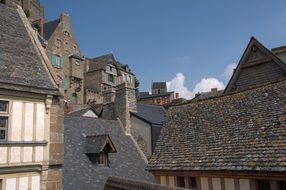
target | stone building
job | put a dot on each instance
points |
(159, 95)
(233, 141)
(65, 57)
(31, 111)
(104, 74)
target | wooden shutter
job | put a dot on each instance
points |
(62, 62)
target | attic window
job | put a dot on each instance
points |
(97, 149)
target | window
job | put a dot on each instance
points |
(57, 61)
(263, 185)
(129, 79)
(4, 111)
(110, 68)
(111, 78)
(125, 77)
(103, 159)
(282, 185)
(192, 183)
(0, 184)
(181, 181)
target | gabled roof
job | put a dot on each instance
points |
(22, 65)
(152, 114)
(243, 131)
(100, 63)
(253, 57)
(80, 173)
(50, 27)
(96, 144)
(159, 85)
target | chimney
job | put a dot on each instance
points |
(177, 95)
(125, 102)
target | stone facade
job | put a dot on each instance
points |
(67, 61)
(104, 74)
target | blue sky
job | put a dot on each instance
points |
(160, 38)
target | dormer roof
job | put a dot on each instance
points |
(96, 144)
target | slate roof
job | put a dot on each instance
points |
(50, 27)
(80, 173)
(206, 95)
(150, 113)
(81, 112)
(21, 66)
(147, 96)
(245, 131)
(157, 85)
(100, 63)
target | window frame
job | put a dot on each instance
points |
(111, 78)
(5, 114)
(103, 159)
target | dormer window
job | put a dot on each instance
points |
(97, 149)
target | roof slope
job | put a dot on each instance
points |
(242, 131)
(50, 27)
(21, 66)
(150, 113)
(80, 173)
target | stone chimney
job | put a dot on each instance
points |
(108, 108)
(125, 102)
(177, 95)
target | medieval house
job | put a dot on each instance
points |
(67, 62)
(104, 74)
(31, 111)
(233, 141)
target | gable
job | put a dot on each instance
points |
(258, 66)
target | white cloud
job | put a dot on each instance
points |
(229, 70)
(177, 84)
(206, 84)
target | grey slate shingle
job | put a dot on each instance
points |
(80, 173)
(20, 65)
(151, 113)
(241, 131)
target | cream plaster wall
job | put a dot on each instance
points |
(216, 183)
(204, 183)
(21, 181)
(229, 184)
(244, 184)
(163, 180)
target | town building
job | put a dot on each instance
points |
(31, 108)
(233, 141)
(148, 122)
(159, 95)
(104, 74)
(66, 59)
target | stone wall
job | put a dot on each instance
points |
(53, 176)
(63, 43)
